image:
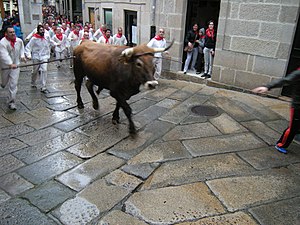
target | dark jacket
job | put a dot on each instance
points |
(209, 42)
(292, 80)
(191, 37)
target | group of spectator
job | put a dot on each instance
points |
(200, 48)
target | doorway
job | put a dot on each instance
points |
(294, 61)
(131, 27)
(200, 12)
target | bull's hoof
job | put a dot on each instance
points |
(96, 105)
(115, 121)
(80, 106)
(133, 133)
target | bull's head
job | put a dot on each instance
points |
(142, 57)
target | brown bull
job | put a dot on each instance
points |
(117, 68)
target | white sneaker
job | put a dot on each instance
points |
(33, 84)
(12, 106)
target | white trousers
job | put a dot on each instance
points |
(158, 67)
(192, 54)
(11, 78)
(60, 55)
(39, 70)
(208, 60)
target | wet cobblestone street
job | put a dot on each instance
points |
(62, 165)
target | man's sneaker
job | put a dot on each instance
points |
(33, 84)
(3, 86)
(282, 150)
(204, 75)
(12, 106)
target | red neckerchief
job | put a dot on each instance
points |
(59, 36)
(106, 39)
(119, 35)
(64, 28)
(210, 33)
(76, 32)
(38, 36)
(12, 42)
(159, 38)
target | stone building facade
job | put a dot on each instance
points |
(255, 37)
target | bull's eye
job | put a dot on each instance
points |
(139, 63)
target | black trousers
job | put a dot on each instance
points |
(290, 132)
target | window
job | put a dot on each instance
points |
(108, 18)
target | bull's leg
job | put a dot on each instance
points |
(90, 88)
(78, 83)
(128, 112)
(116, 117)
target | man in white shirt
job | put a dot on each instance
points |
(73, 39)
(38, 49)
(119, 38)
(60, 42)
(106, 38)
(100, 32)
(158, 42)
(11, 52)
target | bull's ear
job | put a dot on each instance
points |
(139, 63)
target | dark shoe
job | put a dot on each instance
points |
(198, 72)
(207, 76)
(44, 90)
(204, 75)
(184, 72)
(282, 150)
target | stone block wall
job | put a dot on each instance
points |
(254, 41)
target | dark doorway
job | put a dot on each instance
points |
(131, 27)
(294, 62)
(200, 12)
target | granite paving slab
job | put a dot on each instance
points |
(140, 170)
(168, 103)
(231, 108)
(34, 103)
(3, 197)
(161, 152)
(226, 124)
(267, 134)
(101, 142)
(242, 192)
(14, 184)
(82, 175)
(41, 150)
(85, 207)
(122, 179)
(173, 204)
(48, 195)
(119, 217)
(181, 95)
(55, 100)
(141, 105)
(278, 125)
(239, 218)
(9, 163)
(197, 169)
(278, 213)
(149, 115)
(39, 136)
(269, 157)
(191, 131)
(19, 211)
(16, 118)
(181, 111)
(14, 131)
(130, 147)
(222, 144)
(49, 167)
(76, 211)
(10, 145)
(295, 168)
(160, 94)
(5, 122)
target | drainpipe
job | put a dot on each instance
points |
(152, 19)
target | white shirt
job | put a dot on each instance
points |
(103, 40)
(119, 41)
(73, 39)
(10, 55)
(60, 45)
(38, 48)
(153, 43)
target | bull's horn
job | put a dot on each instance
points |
(127, 52)
(164, 49)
